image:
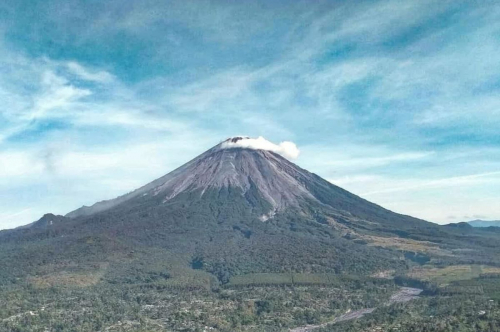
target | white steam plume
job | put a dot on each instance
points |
(286, 148)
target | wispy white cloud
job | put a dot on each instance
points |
(18, 164)
(56, 94)
(462, 181)
(368, 162)
(100, 76)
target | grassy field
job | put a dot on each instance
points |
(65, 279)
(424, 247)
(446, 275)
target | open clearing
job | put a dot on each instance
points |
(424, 247)
(443, 276)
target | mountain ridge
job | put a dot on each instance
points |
(484, 223)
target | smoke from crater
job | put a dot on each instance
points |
(286, 148)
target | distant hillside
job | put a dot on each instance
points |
(484, 223)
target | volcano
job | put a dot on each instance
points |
(263, 181)
(227, 166)
(241, 207)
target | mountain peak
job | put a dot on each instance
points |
(286, 149)
(235, 139)
(240, 164)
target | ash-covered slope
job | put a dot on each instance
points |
(281, 183)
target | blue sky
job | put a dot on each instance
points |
(398, 102)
